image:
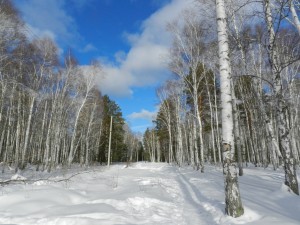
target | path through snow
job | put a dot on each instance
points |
(147, 193)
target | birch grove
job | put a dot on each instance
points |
(51, 113)
(258, 120)
(234, 99)
(277, 65)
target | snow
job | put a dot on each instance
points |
(144, 193)
(17, 177)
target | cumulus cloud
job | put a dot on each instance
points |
(143, 65)
(49, 18)
(143, 114)
(145, 62)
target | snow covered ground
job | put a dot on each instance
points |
(145, 193)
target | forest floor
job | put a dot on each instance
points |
(144, 193)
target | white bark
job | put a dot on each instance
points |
(87, 140)
(187, 59)
(18, 136)
(87, 77)
(109, 142)
(191, 142)
(232, 195)
(211, 121)
(166, 114)
(26, 141)
(282, 126)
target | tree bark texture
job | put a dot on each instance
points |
(233, 201)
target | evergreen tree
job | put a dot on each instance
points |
(110, 108)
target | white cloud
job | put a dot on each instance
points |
(120, 56)
(49, 18)
(113, 83)
(131, 38)
(40, 32)
(88, 48)
(143, 114)
(145, 63)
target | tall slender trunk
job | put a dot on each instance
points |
(179, 132)
(282, 126)
(26, 141)
(47, 142)
(87, 139)
(74, 146)
(41, 138)
(109, 142)
(257, 82)
(237, 133)
(211, 122)
(217, 122)
(17, 152)
(195, 144)
(201, 143)
(233, 201)
(197, 105)
(170, 140)
(191, 143)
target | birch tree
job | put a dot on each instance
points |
(233, 201)
(187, 58)
(164, 115)
(280, 102)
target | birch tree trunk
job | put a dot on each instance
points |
(217, 122)
(195, 144)
(27, 132)
(179, 134)
(191, 142)
(268, 121)
(233, 201)
(211, 121)
(88, 81)
(237, 133)
(166, 112)
(17, 150)
(87, 140)
(282, 126)
(198, 113)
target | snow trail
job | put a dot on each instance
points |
(146, 193)
(201, 209)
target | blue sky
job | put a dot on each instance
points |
(129, 37)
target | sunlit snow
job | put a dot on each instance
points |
(144, 193)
